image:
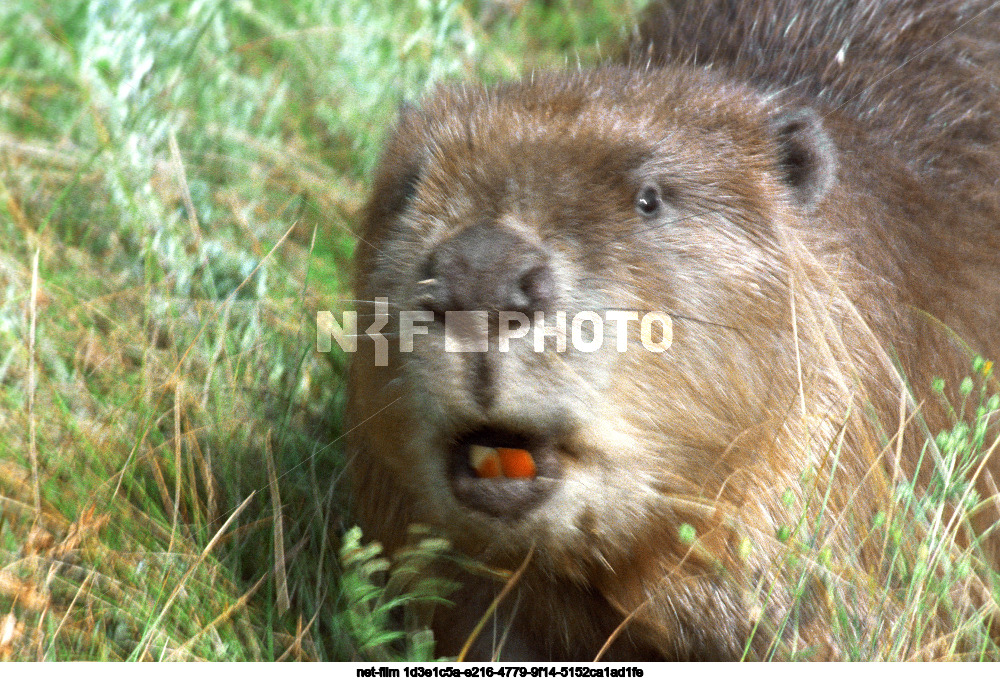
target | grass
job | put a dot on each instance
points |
(179, 185)
(934, 584)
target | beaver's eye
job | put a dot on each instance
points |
(648, 201)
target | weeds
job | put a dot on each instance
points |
(390, 604)
(931, 581)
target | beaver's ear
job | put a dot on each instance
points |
(807, 158)
(398, 175)
(406, 111)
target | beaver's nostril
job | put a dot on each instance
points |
(485, 267)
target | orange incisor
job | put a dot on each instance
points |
(516, 463)
(490, 462)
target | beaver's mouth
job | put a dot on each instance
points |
(504, 490)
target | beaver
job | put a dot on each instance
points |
(809, 192)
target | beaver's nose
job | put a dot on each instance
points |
(485, 267)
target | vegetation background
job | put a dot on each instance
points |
(179, 185)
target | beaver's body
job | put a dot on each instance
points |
(813, 211)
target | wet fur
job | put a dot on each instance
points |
(834, 222)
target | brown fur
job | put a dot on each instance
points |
(829, 219)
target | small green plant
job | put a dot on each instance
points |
(388, 605)
(930, 580)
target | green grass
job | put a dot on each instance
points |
(188, 175)
(932, 580)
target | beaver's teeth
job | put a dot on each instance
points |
(484, 460)
(516, 463)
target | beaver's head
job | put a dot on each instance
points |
(586, 202)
